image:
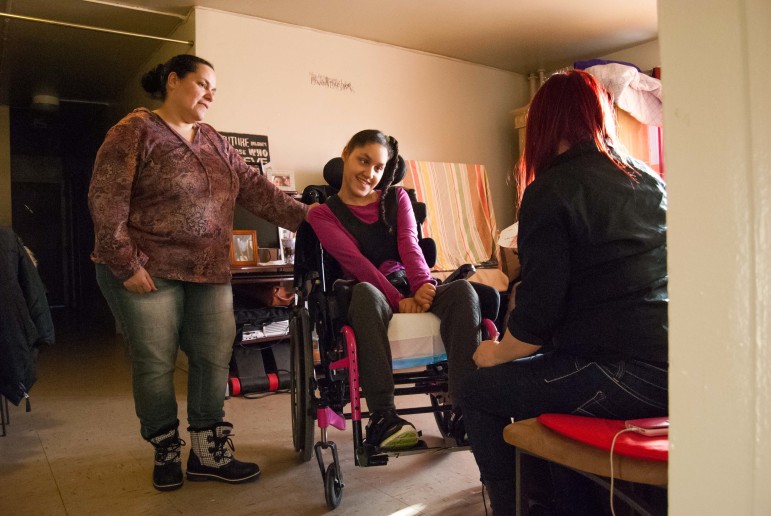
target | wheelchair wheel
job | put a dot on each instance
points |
(301, 356)
(333, 487)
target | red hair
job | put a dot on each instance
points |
(571, 107)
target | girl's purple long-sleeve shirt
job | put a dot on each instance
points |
(338, 242)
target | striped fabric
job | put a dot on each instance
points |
(460, 213)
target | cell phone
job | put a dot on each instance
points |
(649, 426)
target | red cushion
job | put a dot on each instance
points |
(599, 433)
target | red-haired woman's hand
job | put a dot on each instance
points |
(486, 354)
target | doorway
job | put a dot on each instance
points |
(52, 154)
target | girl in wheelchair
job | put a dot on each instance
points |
(370, 229)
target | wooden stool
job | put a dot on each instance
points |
(531, 437)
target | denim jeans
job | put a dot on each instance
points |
(194, 317)
(553, 382)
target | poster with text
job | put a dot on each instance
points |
(252, 147)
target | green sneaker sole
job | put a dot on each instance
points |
(405, 437)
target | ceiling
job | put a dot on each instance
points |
(516, 35)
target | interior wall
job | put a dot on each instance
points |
(133, 96)
(718, 125)
(5, 166)
(646, 56)
(439, 109)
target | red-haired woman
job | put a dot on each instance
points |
(588, 334)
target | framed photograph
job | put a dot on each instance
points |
(284, 179)
(243, 248)
(286, 240)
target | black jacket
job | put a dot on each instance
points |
(592, 243)
(25, 318)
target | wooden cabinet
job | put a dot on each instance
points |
(520, 120)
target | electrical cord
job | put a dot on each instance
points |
(612, 446)
(254, 396)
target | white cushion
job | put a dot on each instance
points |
(415, 340)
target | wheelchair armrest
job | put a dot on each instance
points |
(462, 272)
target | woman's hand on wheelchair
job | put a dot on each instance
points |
(424, 296)
(408, 305)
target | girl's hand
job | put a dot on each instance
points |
(424, 296)
(408, 305)
(140, 282)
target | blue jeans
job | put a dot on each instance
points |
(194, 317)
(553, 382)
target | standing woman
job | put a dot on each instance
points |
(162, 197)
(591, 311)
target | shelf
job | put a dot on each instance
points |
(262, 273)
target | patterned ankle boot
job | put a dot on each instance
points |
(210, 458)
(167, 473)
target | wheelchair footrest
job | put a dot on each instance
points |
(368, 455)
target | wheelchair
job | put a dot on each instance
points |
(323, 355)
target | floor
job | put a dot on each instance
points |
(79, 452)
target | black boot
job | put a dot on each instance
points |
(210, 458)
(503, 498)
(167, 473)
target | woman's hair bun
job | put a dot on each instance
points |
(152, 81)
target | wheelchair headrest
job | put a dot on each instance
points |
(333, 172)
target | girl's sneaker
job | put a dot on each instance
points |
(388, 431)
